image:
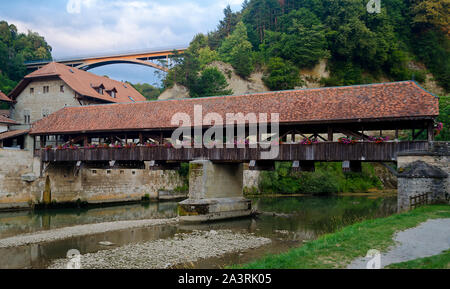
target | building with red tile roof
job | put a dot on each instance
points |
(8, 121)
(84, 84)
(56, 86)
(399, 105)
(4, 98)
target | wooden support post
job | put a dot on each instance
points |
(396, 134)
(430, 130)
(141, 138)
(330, 134)
(85, 141)
(42, 141)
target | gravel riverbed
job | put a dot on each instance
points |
(81, 230)
(165, 253)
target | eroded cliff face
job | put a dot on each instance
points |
(388, 179)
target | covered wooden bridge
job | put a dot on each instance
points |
(310, 123)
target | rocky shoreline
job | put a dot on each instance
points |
(166, 253)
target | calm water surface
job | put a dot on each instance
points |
(288, 221)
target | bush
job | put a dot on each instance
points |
(328, 178)
(281, 75)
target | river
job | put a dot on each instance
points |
(288, 221)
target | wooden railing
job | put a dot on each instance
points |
(326, 151)
(419, 200)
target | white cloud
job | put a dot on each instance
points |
(119, 25)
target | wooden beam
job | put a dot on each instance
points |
(330, 134)
(430, 130)
(419, 133)
(352, 133)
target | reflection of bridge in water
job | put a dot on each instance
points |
(216, 174)
(144, 58)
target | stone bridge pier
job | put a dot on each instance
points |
(215, 192)
(424, 173)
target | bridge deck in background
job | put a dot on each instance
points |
(326, 151)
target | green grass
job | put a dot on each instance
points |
(441, 261)
(337, 250)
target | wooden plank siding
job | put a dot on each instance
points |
(326, 151)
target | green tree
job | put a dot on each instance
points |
(148, 91)
(261, 16)
(15, 48)
(225, 27)
(211, 83)
(444, 117)
(302, 40)
(432, 12)
(282, 75)
(237, 50)
(206, 56)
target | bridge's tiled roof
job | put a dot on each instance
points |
(385, 101)
(4, 98)
(83, 83)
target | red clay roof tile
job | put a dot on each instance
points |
(351, 103)
(84, 83)
(6, 120)
(13, 133)
(3, 97)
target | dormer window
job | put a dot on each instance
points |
(112, 92)
(99, 88)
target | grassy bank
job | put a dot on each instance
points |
(441, 261)
(337, 250)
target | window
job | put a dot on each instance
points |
(113, 94)
(132, 99)
(45, 112)
(100, 90)
(27, 116)
(31, 90)
(46, 89)
(61, 88)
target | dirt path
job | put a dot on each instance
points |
(429, 238)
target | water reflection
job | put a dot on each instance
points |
(288, 221)
(15, 223)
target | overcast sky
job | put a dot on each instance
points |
(91, 27)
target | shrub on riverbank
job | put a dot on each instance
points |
(337, 250)
(328, 178)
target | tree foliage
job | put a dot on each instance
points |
(237, 50)
(148, 91)
(361, 47)
(15, 49)
(211, 83)
(301, 39)
(282, 75)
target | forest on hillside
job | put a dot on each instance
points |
(407, 40)
(15, 49)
